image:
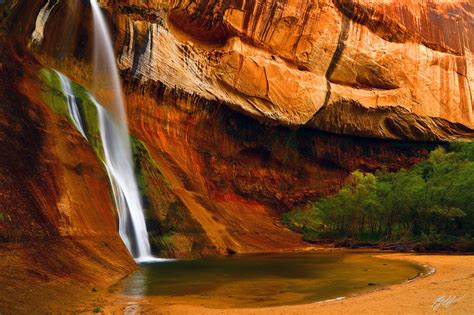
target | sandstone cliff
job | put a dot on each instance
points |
(57, 227)
(244, 109)
(388, 69)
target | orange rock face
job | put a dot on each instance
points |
(217, 180)
(329, 64)
(314, 63)
(243, 109)
(57, 226)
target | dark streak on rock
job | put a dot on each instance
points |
(138, 49)
(150, 38)
(269, 21)
(248, 9)
(306, 15)
(448, 34)
(341, 45)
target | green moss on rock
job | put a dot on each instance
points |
(54, 96)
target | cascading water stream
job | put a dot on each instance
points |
(125, 195)
(71, 102)
(116, 142)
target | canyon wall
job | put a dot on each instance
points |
(388, 69)
(241, 110)
(57, 226)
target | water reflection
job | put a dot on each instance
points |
(264, 280)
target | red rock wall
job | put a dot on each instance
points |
(292, 62)
(228, 100)
(56, 223)
(230, 176)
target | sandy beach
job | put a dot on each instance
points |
(449, 290)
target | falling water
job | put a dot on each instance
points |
(116, 142)
(71, 102)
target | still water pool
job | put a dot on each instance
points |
(264, 279)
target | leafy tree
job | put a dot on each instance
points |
(432, 200)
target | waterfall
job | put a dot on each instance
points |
(71, 102)
(125, 194)
(116, 142)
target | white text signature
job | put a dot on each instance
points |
(445, 301)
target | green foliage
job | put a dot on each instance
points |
(298, 220)
(431, 201)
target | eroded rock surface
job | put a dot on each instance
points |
(228, 101)
(57, 226)
(293, 62)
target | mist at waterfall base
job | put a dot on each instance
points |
(108, 100)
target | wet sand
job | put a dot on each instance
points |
(453, 279)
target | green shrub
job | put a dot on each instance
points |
(432, 202)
